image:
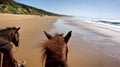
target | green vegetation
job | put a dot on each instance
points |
(10, 6)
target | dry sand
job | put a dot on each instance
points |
(31, 29)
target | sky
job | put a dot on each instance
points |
(83, 8)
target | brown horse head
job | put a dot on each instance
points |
(7, 36)
(11, 35)
(56, 50)
(15, 39)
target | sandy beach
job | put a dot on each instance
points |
(82, 52)
(31, 29)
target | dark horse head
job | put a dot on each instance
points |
(56, 50)
(7, 36)
(11, 35)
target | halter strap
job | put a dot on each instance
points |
(3, 42)
(5, 46)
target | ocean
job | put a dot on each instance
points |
(111, 24)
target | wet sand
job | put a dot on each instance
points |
(84, 50)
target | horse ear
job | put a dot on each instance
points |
(67, 37)
(18, 28)
(48, 35)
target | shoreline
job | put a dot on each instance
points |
(98, 29)
(87, 44)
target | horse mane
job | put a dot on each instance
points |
(53, 47)
(6, 34)
(8, 28)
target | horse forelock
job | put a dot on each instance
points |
(54, 44)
